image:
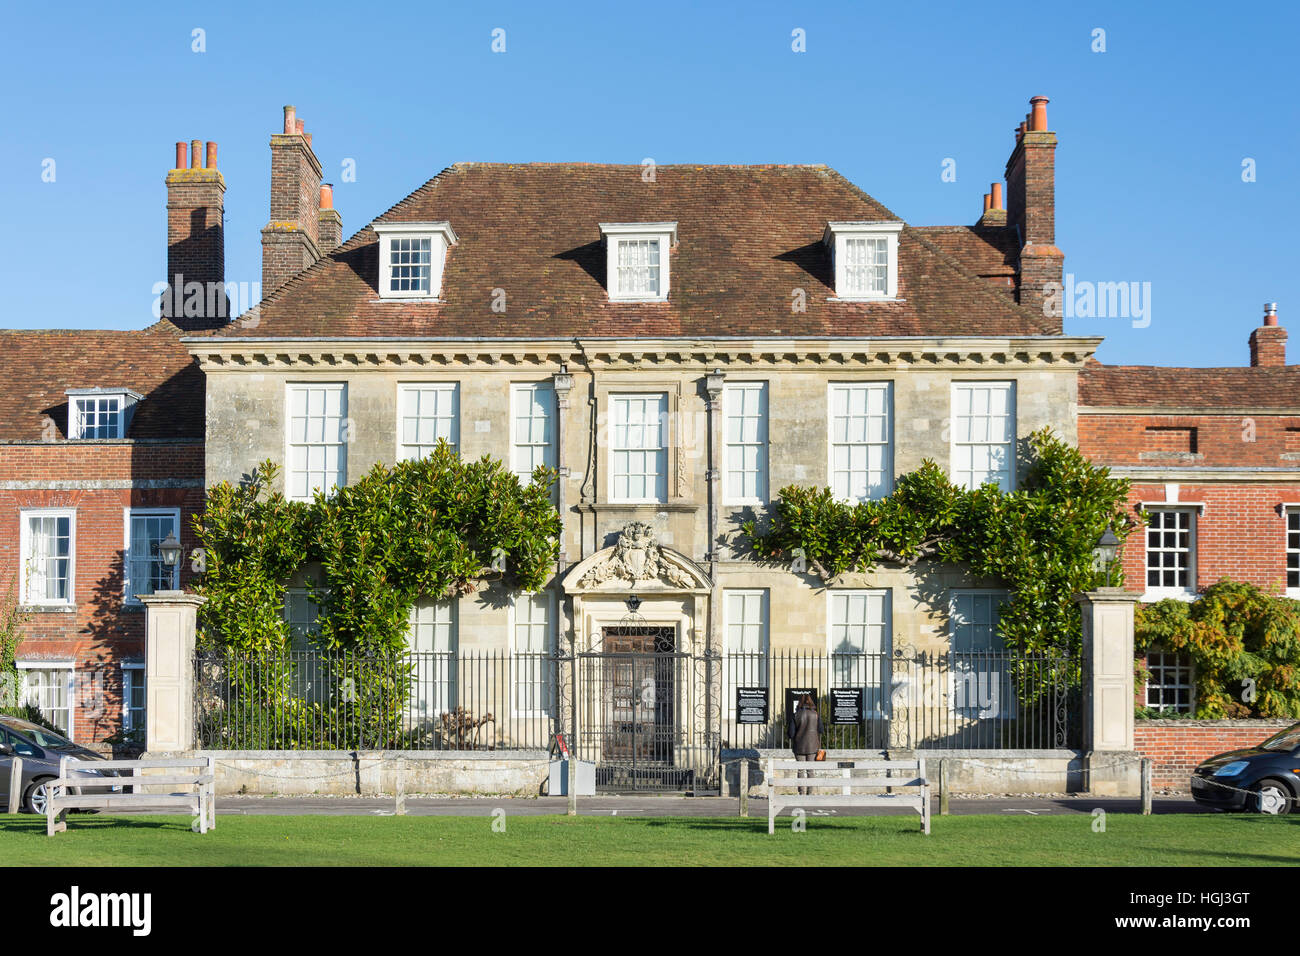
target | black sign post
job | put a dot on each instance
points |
(846, 705)
(751, 705)
(795, 694)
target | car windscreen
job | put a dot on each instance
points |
(1286, 740)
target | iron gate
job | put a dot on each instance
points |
(638, 701)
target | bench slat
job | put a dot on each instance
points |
(851, 782)
(107, 801)
(831, 764)
(160, 763)
(169, 781)
(912, 801)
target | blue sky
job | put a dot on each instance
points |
(1153, 132)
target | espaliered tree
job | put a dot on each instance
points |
(1244, 645)
(1037, 540)
(437, 527)
(433, 528)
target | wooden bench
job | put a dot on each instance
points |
(837, 775)
(195, 776)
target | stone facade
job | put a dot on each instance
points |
(246, 424)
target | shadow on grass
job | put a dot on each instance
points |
(36, 825)
(759, 824)
(1216, 857)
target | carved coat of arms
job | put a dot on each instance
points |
(636, 557)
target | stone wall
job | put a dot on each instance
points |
(373, 773)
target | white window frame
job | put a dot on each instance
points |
(884, 685)
(1006, 692)
(661, 477)
(1178, 668)
(1008, 385)
(732, 680)
(25, 542)
(616, 233)
(441, 238)
(1159, 592)
(838, 234)
(290, 444)
(76, 424)
(133, 671)
(1289, 512)
(551, 406)
(887, 463)
(128, 591)
(448, 659)
(70, 689)
(730, 392)
(409, 451)
(551, 631)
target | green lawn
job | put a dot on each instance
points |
(1174, 840)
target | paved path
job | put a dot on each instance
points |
(672, 806)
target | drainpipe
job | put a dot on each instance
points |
(562, 383)
(713, 383)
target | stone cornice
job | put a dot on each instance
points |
(967, 353)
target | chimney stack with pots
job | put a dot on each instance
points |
(1268, 342)
(291, 241)
(1031, 205)
(196, 245)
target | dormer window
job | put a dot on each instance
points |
(411, 257)
(865, 255)
(99, 413)
(637, 259)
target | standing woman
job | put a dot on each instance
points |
(806, 734)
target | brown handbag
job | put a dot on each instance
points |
(821, 755)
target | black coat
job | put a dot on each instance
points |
(805, 730)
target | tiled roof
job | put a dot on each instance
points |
(1151, 386)
(984, 250)
(37, 367)
(748, 236)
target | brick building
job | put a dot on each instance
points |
(1213, 455)
(786, 326)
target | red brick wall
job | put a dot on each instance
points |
(1237, 441)
(99, 632)
(1177, 746)
(1239, 533)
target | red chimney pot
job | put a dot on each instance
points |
(1038, 118)
(182, 155)
(326, 196)
(212, 155)
(997, 195)
(289, 127)
(196, 154)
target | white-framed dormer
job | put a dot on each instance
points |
(100, 412)
(637, 259)
(411, 258)
(865, 259)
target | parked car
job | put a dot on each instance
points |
(41, 749)
(1264, 778)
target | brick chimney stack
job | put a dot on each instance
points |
(1031, 204)
(1268, 342)
(196, 245)
(331, 223)
(291, 240)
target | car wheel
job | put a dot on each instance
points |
(36, 796)
(1272, 796)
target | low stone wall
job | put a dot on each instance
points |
(374, 772)
(1177, 746)
(976, 771)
